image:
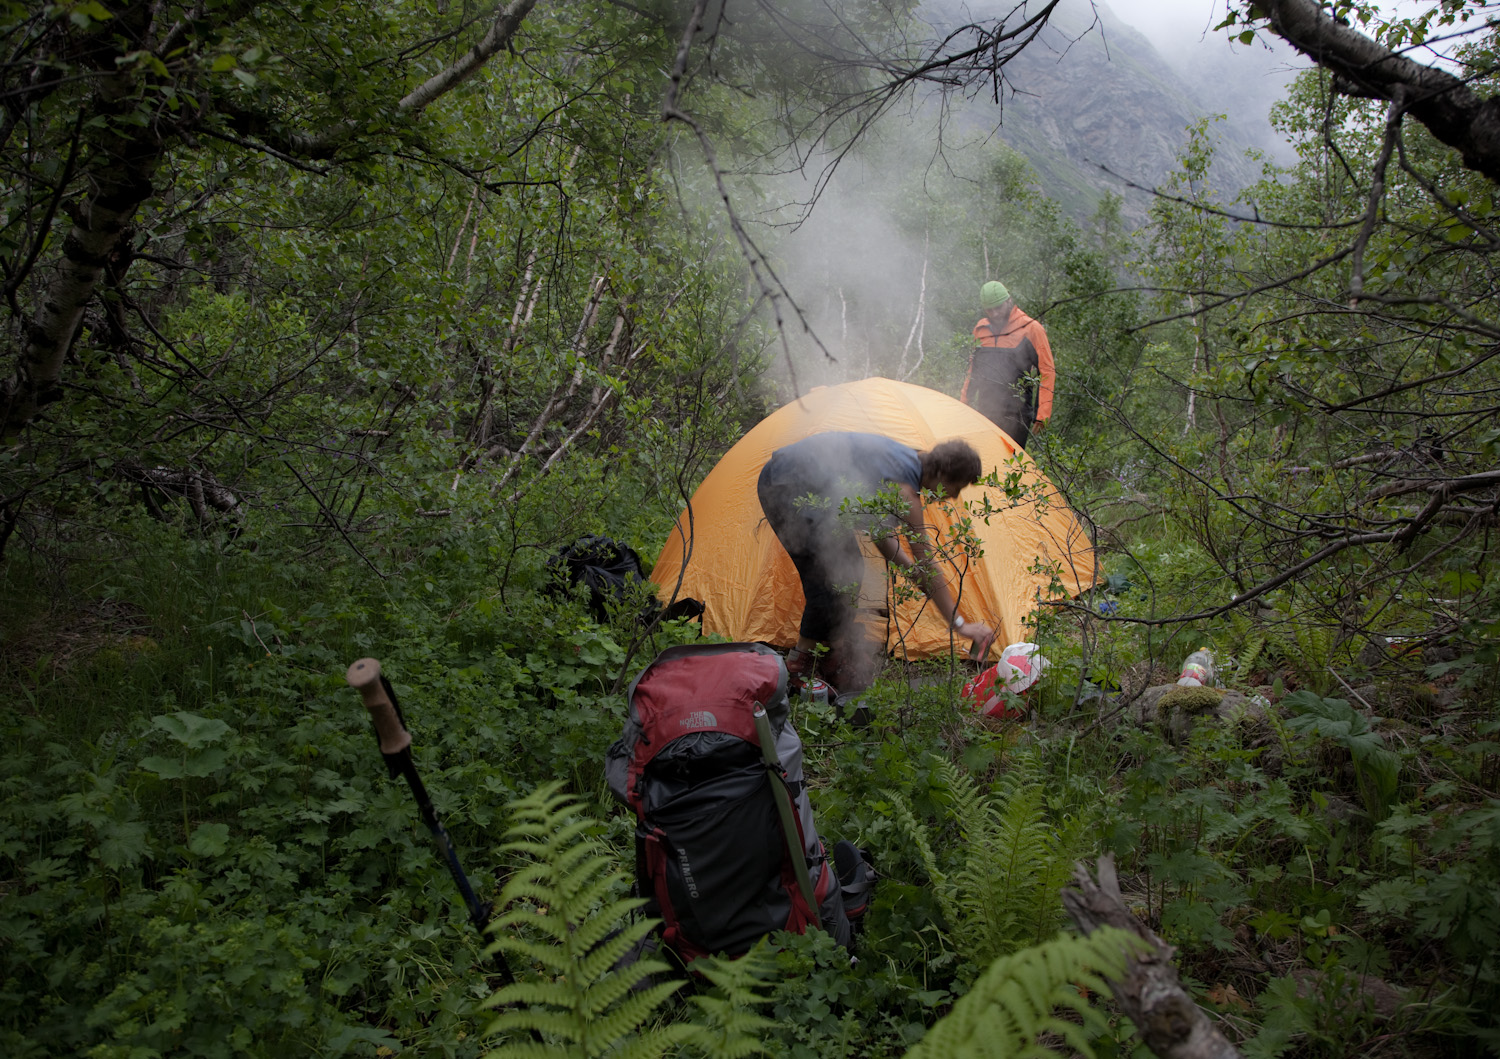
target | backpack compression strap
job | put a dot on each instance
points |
(783, 799)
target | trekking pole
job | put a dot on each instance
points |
(395, 746)
(783, 799)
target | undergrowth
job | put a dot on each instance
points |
(201, 853)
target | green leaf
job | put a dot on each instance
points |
(209, 840)
(206, 762)
(122, 844)
(1391, 898)
(165, 767)
(46, 870)
(191, 730)
(1275, 925)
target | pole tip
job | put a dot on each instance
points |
(363, 673)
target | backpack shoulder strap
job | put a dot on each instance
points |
(784, 808)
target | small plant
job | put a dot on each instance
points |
(1003, 893)
(1377, 769)
(725, 1024)
(582, 1005)
(1016, 1000)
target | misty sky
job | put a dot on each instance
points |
(1171, 23)
(1174, 24)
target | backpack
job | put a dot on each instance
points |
(608, 569)
(604, 566)
(726, 849)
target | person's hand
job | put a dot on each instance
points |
(1039, 426)
(980, 633)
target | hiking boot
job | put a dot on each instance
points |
(857, 878)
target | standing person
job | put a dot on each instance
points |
(801, 490)
(1010, 350)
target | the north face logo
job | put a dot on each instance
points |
(699, 719)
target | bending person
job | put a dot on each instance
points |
(801, 490)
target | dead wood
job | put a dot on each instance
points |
(1149, 994)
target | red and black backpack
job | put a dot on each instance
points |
(726, 850)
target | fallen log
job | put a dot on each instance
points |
(1149, 994)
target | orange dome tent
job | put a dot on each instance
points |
(750, 589)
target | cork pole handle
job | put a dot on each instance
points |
(364, 677)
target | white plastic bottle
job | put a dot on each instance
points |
(1198, 670)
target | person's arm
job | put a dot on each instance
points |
(1047, 369)
(930, 580)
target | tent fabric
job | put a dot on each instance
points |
(751, 591)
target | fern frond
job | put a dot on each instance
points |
(543, 955)
(1250, 655)
(918, 835)
(522, 1050)
(1018, 997)
(917, 832)
(965, 798)
(534, 1019)
(600, 957)
(1314, 653)
(649, 1047)
(1281, 641)
(561, 914)
(1014, 863)
(607, 1029)
(1066, 841)
(1242, 628)
(727, 1027)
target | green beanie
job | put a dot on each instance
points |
(992, 293)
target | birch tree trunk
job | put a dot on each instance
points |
(119, 181)
(138, 118)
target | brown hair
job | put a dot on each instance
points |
(954, 459)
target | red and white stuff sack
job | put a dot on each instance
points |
(1021, 665)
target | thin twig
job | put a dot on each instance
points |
(333, 520)
(1377, 193)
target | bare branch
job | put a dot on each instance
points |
(1377, 193)
(563, 392)
(500, 33)
(325, 143)
(1203, 207)
(332, 519)
(1443, 487)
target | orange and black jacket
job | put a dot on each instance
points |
(1002, 357)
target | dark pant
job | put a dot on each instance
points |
(1000, 386)
(831, 567)
(824, 551)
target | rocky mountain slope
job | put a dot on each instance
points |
(1093, 94)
